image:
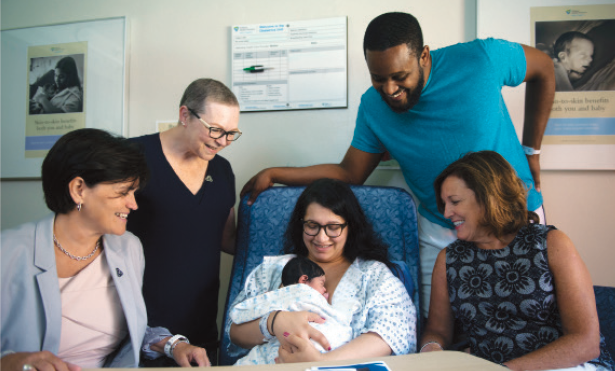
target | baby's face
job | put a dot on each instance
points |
(318, 284)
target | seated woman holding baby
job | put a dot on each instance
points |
(329, 227)
(518, 290)
(303, 289)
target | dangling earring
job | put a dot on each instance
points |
(183, 123)
(79, 207)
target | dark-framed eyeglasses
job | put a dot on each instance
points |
(332, 230)
(217, 133)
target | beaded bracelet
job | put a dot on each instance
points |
(430, 342)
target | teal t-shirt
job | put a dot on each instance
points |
(461, 110)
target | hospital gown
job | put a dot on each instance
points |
(292, 298)
(368, 293)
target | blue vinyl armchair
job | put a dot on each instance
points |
(261, 229)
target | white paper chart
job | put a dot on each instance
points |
(290, 65)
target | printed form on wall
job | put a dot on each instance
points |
(290, 65)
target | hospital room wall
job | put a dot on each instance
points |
(171, 43)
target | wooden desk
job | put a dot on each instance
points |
(431, 361)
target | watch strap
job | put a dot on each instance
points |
(169, 346)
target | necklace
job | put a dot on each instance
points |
(74, 257)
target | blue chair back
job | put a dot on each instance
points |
(605, 305)
(261, 227)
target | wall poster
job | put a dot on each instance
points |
(581, 42)
(55, 94)
(55, 79)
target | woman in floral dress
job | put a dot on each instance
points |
(518, 290)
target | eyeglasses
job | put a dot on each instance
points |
(217, 133)
(313, 229)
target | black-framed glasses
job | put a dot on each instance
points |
(332, 230)
(217, 133)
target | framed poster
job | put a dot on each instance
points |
(581, 42)
(580, 134)
(55, 94)
(56, 79)
(290, 65)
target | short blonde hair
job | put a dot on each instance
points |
(201, 90)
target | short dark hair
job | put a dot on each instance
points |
(496, 187)
(562, 44)
(392, 29)
(299, 266)
(201, 90)
(69, 67)
(94, 155)
(336, 196)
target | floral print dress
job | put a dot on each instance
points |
(504, 300)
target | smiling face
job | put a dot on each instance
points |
(462, 208)
(215, 114)
(106, 206)
(318, 284)
(578, 58)
(60, 78)
(398, 75)
(322, 248)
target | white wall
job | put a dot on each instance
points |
(175, 42)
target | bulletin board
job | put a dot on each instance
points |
(30, 57)
(581, 130)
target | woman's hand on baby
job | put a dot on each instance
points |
(44, 361)
(297, 323)
(298, 349)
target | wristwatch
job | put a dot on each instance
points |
(172, 342)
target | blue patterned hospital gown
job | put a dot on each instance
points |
(368, 293)
(292, 298)
(504, 300)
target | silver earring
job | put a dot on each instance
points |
(183, 123)
(79, 207)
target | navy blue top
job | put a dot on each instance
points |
(181, 234)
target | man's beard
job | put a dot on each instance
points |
(412, 96)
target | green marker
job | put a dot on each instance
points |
(257, 68)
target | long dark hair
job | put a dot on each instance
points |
(336, 196)
(69, 67)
